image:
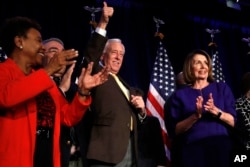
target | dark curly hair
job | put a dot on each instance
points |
(15, 26)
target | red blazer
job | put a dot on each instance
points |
(18, 114)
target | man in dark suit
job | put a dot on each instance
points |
(116, 106)
(63, 80)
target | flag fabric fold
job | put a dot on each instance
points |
(162, 85)
(217, 68)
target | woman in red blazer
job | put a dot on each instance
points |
(21, 81)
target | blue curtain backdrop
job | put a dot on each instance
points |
(184, 30)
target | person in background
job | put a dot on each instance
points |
(150, 142)
(179, 80)
(31, 106)
(63, 77)
(201, 114)
(63, 80)
(242, 127)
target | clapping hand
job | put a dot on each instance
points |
(66, 79)
(199, 101)
(61, 60)
(87, 81)
(209, 106)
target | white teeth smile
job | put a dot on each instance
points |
(41, 54)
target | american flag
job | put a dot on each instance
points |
(162, 85)
(217, 68)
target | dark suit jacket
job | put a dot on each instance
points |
(151, 145)
(112, 112)
(92, 52)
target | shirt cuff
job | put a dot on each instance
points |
(142, 117)
(101, 31)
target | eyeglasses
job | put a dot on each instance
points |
(52, 50)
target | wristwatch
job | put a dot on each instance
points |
(219, 114)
